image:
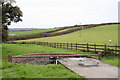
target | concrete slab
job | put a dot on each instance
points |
(104, 70)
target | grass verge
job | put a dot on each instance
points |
(15, 70)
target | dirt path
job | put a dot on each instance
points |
(104, 70)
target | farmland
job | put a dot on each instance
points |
(98, 35)
(20, 33)
(14, 70)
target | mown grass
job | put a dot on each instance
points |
(19, 33)
(15, 70)
(98, 35)
(19, 49)
(114, 60)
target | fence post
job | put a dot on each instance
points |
(99, 55)
(57, 45)
(54, 45)
(115, 49)
(67, 45)
(95, 47)
(10, 57)
(87, 47)
(71, 46)
(105, 49)
(47, 43)
(61, 45)
(50, 44)
(76, 46)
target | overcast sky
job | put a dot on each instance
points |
(59, 13)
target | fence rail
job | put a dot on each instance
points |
(75, 46)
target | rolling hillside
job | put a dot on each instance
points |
(98, 35)
(19, 33)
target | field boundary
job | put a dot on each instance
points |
(78, 47)
(49, 33)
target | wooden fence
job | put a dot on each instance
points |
(79, 47)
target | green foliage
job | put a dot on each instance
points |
(114, 60)
(10, 14)
(4, 34)
(108, 52)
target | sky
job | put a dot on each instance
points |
(60, 13)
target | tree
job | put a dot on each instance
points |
(10, 13)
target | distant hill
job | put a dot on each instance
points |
(67, 30)
(23, 29)
(94, 35)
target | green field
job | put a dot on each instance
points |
(65, 30)
(114, 60)
(14, 70)
(18, 33)
(19, 49)
(98, 35)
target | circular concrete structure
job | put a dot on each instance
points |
(38, 58)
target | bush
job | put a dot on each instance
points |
(108, 52)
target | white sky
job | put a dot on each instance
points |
(59, 13)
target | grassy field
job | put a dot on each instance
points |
(65, 30)
(18, 33)
(98, 35)
(19, 49)
(114, 60)
(14, 70)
